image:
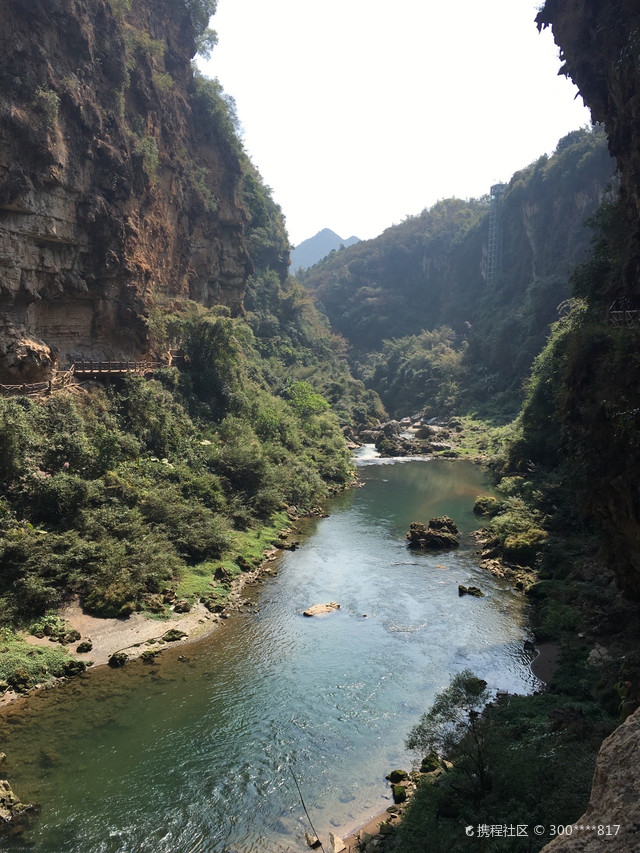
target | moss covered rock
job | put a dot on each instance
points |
(430, 763)
(118, 659)
(173, 635)
(397, 776)
(523, 548)
(441, 534)
(470, 590)
(488, 506)
(399, 794)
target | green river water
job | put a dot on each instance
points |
(193, 754)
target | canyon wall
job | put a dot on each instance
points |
(120, 181)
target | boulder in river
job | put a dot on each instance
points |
(440, 534)
(319, 609)
(399, 794)
(13, 813)
(397, 776)
(470, 590)
(337, 844)
(312, 840)
(443, 522)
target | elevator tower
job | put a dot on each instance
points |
(495, 242)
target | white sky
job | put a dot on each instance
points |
(360, 112)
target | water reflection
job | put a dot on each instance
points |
(194, 754)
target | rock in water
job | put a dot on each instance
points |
(13, 813)
(470, 590)
(312, 840)
(443, 522)
(337, 844)
(319, 609)
(440, 534)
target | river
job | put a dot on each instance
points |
(193, 754)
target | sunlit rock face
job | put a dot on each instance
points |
(114, 192)
(612, 819)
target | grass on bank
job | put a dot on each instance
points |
(23, 665)
(246, 553)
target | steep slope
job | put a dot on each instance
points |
(599, 47)
(315, 248)
(586, 383)
(432, 270)
(120, 179)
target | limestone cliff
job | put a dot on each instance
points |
(119, 180)
(599, 44)
(614, 804)
(600, 409)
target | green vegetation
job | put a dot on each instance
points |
(163, 82)
(118, 495)
(214, 113)
(146, 147)
(49, 102)
(426, 328)
(419, 372)
(528, 759)
(22, 665)
(201, 12)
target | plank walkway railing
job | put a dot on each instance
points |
(80, 370)
(114, 368)
(622, 317)
(60, 379)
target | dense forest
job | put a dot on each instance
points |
(427, 325)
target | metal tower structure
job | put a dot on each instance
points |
(494, 244)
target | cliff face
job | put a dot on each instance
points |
(600, 405)
(118, 186)
(614, 804)
(431, 270)
(599, 44)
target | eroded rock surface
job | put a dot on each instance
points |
(116, 189)
(13, 813)
(440, 534)
(614, 800)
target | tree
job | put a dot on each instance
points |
(454, 727)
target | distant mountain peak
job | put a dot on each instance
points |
(315, 248)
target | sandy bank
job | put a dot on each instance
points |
(141, 632)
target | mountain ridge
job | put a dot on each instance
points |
(315, 248)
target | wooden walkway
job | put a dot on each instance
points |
(622, 316)
(60, 379)
(80, 370)
(114, 368)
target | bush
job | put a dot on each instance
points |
(196, 531)
(523, 548)
(489, 506)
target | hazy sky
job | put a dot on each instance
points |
(360, 112)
